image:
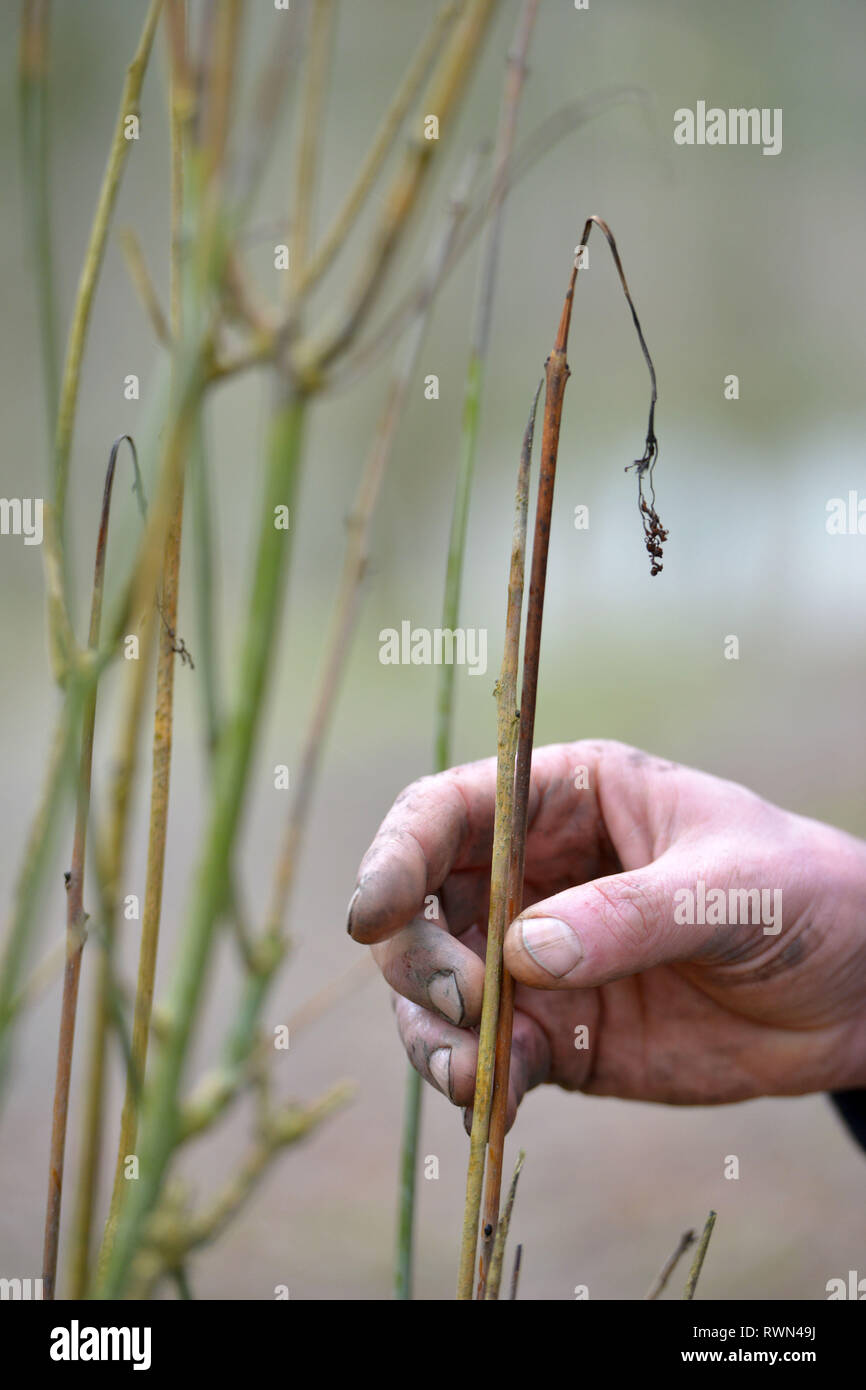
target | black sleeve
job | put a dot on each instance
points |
(852, 1107)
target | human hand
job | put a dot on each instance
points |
(688, 1013)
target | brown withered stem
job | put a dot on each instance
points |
(659, 1283)
(494, 1274)
(556, 377)
(507, 733)
(76, 917)
(515, 76)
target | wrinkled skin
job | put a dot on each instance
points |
(678, 1013)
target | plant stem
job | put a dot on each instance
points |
(508, 722)
(670, 1264)
(109, 859)
(454, 567)
(231, 771)
(456, 553)
(206, 645)
(143, 284)
(312, 122)
(700, 1255)
(117, 157)
(493, 1124)
(494, 1273)
(515, 1272)
(526, 160)
(557, 373)
(440, 98)
(176, 1235)
(33, 106)
(180, 114)
(357, 552)
(34, 864)
(344, 220)
(76, 917)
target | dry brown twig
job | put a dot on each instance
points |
(513, 781)
(494, 1272)
(659, 1283)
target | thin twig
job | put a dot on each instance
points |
(118, 155)
(508, 722)
(273, 82)
(514, 81)
(557, 373)
(441, 96)
(143, 284)
(106, 1009)
(33, 64)
(35, 860)
(515, 1272)
(494, 1273)
(215, 1093)
(413, 1096)
(241, 1064)
(313, 104)
(356, 558)
(161, 1112)
(700, 1254)
(670, 1264)
(215, 127)
(515, 76)
(173, 1235)
(269, 950)
(510, 877)
(219, 79)
(205, 581)
(344, 219)
(526, 160)
(76, 917)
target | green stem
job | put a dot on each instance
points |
(700, 1255)
(205, 647)
(160, 1119)
(118, 155)
(33, 109)
(408, 1170)
(37, 856)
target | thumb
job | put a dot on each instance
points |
(604, 930)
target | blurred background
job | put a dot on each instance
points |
(739, 264)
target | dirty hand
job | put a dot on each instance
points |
(681, 940)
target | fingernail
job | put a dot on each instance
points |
(352, 901)
(552, 944)
(444, 994)
(439, 1066)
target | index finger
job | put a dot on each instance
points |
(437, 824)
(444, 823)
